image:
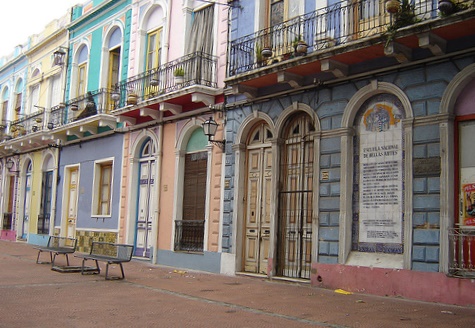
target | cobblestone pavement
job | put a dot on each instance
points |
(32, 295)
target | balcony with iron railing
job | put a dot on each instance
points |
(27, 124)
(341, 28)
(85, 106)
(462, 257)
(189, 235)
(83, 116)
(195, 72)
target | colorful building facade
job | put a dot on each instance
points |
(319, 142)
(345, 120)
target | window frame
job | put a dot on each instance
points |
(81, 79)
(154, 53)
(98, 188)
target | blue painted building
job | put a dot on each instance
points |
(348, 166)
(82, 128)
(13, 75)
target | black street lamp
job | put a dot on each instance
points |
(209, 128)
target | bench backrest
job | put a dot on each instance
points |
(62, 242)
(122, 252)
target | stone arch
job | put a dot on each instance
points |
(367, 92)
(455, 87)
(248, 123)
(140, 139)
(293, 109)
(347, 167)
(186, 131)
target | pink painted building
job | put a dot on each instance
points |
(172, 174)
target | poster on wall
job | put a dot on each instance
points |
(468, 204)
(381, 172)
(467, 174)
(467, 197)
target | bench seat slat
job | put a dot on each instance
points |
(57, 245)
(107, 252)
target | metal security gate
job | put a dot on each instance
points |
(296, 200)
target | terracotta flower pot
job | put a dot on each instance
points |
(392, 6)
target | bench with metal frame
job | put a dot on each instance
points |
(110, 253)
(57, 245)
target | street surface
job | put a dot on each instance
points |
(32, 295)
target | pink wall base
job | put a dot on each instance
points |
(8, 235)
(423, 286)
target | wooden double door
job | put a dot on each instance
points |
(257, 209)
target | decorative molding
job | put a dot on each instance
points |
(433, 42)
(294, 80)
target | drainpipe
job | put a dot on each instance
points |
(157, 183)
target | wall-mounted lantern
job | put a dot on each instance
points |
(9, 165)
(58, 57)
(209, 128)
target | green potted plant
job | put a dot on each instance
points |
(404, 16)
(300, 46)
(179, 74)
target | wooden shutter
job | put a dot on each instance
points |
(194, 191)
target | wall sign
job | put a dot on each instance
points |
(380, 171)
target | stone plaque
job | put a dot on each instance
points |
(427, 166)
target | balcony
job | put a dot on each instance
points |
(346, 39)
(79, 118)
(23, 133)
(82, 117)
(189, 235)
(182, 85)
(462, 245)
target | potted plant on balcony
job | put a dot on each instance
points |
(261, 60)
(131, 97)
(266, 52)
(300, 46)
(74, 107)
(179, 74)
(392, 6)
(404, 16)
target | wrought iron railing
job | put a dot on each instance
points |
(189, 235)
(28, 124)
(337, 24)
(462, 245)
(194, 69)
(87, 105)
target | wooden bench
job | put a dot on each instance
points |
(57, 245)
(106, 252)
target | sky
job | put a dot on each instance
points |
(22, 18)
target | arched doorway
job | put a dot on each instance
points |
(257, 222)
(145, 196)
(295, 213)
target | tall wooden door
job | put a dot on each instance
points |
(296, 200)
(143, 240)
(257, 228)
(72, 201)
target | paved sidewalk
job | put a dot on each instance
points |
(32, 295)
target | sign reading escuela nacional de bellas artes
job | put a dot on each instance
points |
(379, 173)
